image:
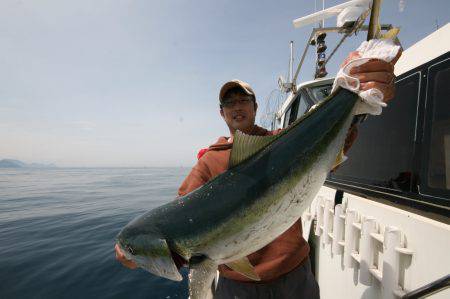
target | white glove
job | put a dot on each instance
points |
(372, 99)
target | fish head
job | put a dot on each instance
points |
(149, 250)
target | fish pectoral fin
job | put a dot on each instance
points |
(340, 158)
(201, 276)
(244, 267)
(162, 264)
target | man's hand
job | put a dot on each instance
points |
(375, 73)
(121, 258)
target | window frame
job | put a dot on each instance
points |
(419, 198)
(372, 184)
(434, 195)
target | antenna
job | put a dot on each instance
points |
(323, 8)
(322, 23)
(291, 62)
(287, 85)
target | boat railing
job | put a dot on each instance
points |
(432, 288)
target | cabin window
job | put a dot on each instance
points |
(287, 116)
(438, 131)
(298, 107)
(305, 99)
(321, 92)
(294, 110)
(382, 155)
(303, 107)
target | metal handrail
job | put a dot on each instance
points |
(428, 289)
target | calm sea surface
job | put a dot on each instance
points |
(57, 230)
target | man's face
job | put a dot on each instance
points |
(239, 112)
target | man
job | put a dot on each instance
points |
(283, 264)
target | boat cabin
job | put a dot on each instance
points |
(379, 228)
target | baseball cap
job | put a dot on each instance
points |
(235, 83)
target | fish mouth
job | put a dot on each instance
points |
(127, 251)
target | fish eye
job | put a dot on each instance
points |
(130, 249)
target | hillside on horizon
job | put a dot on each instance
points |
(13, 163)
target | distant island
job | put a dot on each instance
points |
(11, 163)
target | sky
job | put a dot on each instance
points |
(135, 83)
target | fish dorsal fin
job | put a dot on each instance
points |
(245, 146)
(244, 267)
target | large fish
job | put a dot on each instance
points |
(270, 182)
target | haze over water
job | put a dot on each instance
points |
(57, 231)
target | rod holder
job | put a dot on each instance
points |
(327, 221)
(391, 262)
(366, 248)
(319, 213)
(350, 238)
(338, 230)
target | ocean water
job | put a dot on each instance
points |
(57, 231)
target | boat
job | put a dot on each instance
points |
(379, 227)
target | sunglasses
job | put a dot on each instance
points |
(232, 102)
